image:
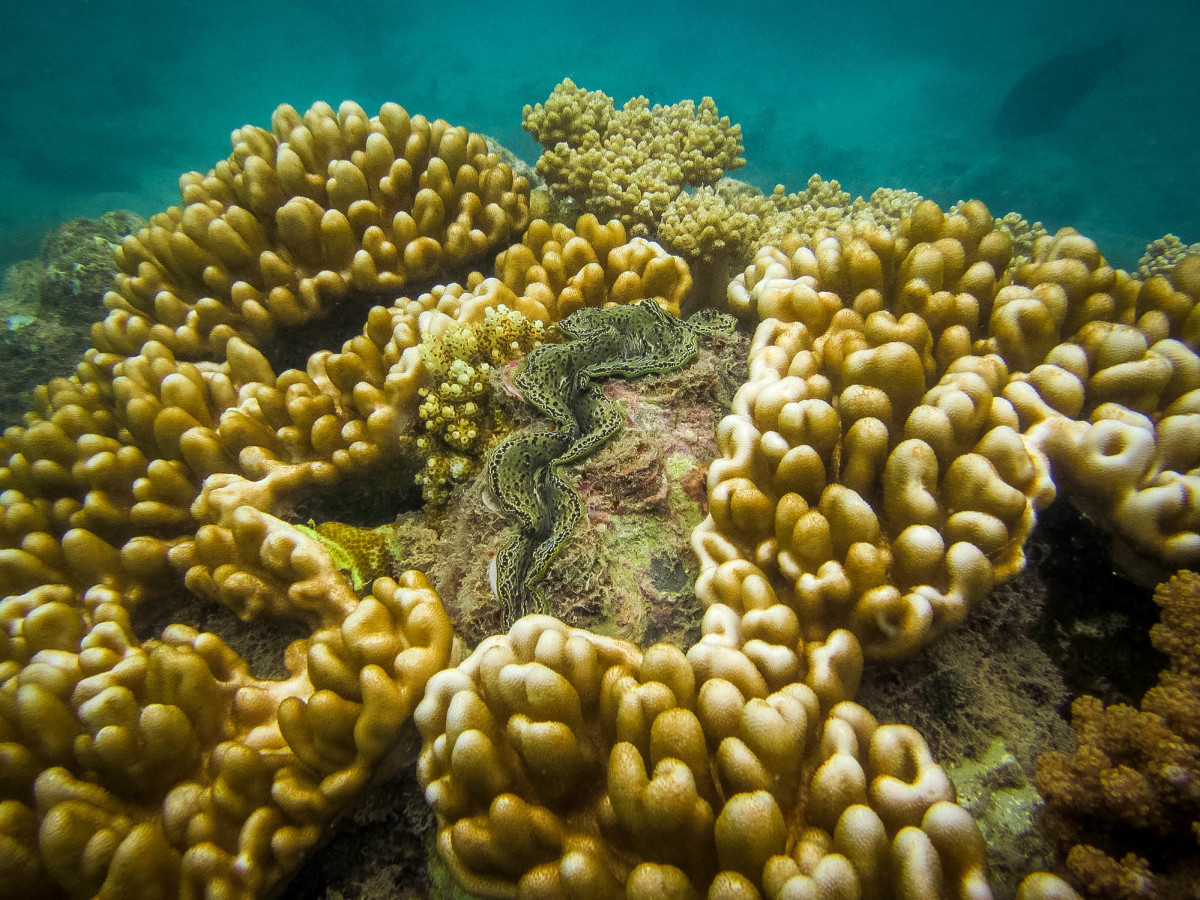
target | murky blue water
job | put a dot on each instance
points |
(106, 103)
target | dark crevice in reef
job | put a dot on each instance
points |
(364, 503)
(260, 643)
(292, 347)
(364, 857)
(1095, 624)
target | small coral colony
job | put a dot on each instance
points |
(921, 382)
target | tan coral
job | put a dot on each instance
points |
(561, 764)
(298, 216)
(164, 767)
(885, 461)
(629, 164)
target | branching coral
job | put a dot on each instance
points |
(1163, 255)
(460, 422)
(629, 164)
(1137, 771)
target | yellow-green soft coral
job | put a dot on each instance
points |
(361, 554)
(459, 419)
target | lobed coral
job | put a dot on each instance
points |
(561, 763)
(884, 464)
(298, 216)
(910, 395)
(1134, 781)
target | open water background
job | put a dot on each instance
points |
(104, 104)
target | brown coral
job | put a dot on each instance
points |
(561, 763)
(884, 464)
(297, 216)
(1137, 772)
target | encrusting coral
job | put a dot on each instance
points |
(360, 554)
(910, 395)
(1134, 782)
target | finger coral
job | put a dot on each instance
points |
(565, 764)
(322, 204)
(1134, 782)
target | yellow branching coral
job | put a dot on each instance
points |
(1163, 255)
(459, 423)
(1023, 235)
(628, 164)
(705, 224)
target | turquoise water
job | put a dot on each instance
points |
(105, 103)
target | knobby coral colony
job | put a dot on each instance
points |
(525, 472)
(911, 391)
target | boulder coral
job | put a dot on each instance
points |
(914, 399)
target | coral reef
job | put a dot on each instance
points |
(1133, 786)
(913, 399)
(629, 164)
